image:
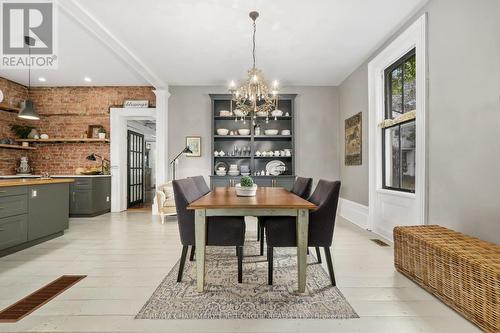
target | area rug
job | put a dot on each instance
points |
(225, 298)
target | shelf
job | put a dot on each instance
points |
(64, 140)
(235, 157)
(274, 157)
(232, 137)
(279, 176)
(273, 137)
(16, 147)
(7, 108)
(248, 118)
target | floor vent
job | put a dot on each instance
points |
(30, 303)
(379, 242)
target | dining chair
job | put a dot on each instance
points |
(200, 183)
(301, 187)
(281, 230)
(221, 231)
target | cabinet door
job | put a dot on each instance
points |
(101, 198)
(13, 205)
(219, 182)
(13, 230)
(80, 202)
(263, 182)
(48, 210)
(284, 182)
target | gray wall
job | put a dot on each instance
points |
(317, 127)
(463, 116)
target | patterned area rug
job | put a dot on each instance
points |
(225, 298)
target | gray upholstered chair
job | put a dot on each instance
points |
(221, 231)
(281, 231)
(301, 187)
(201, 184)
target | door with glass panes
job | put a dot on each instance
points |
(135, 168)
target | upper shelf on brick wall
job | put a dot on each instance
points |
(5, 107)
(53, 140)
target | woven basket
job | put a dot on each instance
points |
(462, 271)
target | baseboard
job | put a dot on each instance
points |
(354, 212)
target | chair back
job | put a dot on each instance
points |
(185, 192)
(200, 183)
(302, 187)
(322, 219)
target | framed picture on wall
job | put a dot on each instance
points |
(194, 143)
(353, 141)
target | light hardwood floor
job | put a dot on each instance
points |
(126, 255)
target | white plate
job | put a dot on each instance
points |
(275, 167)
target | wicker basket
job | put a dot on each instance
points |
(462, 271)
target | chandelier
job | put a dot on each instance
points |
(254, 97)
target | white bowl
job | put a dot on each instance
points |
(244, 131)
(285, 132)
(277, 113)
(222, 131)
(238, 113)
(246, 191)
(220, 173)
(224, 113)
(271, 132)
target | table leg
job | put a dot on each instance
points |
(200, 231)
(302, 229)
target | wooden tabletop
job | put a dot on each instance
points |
(267, 197)
(33, 181)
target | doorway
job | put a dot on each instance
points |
(135, 168)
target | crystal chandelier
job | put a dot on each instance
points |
(254, 97)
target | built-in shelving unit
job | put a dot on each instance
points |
(53, 140)
(253, 143)
(16, 147)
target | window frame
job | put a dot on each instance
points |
(388, 115)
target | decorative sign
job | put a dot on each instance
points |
(353, 141)
(136, 103)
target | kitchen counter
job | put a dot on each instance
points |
(52, 176)
(30, 182)
(32, 211)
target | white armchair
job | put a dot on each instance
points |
(165, 201)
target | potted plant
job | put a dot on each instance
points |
(101, 133)
(21, 131)
(246, 187)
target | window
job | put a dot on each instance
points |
(398, 129)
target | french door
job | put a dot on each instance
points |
(135, 168)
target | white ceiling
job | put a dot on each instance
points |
(192, 42)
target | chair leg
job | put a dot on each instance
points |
(330, 264)
(262, 240)
(183, 261)
(191, 255)
(269, 265)
(162, 218)
(318, 254)
(239, 250)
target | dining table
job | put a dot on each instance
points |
(268, 201)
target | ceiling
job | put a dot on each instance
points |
(192, 42)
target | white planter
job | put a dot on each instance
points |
(101, 135)
(246, 191)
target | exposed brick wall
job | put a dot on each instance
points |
(67, 112)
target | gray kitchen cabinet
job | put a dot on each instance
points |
(13, 231)
(48, 210)
(286, 182)
(90, 196)
(13, 205)
(263, 182)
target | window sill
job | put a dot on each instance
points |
(396, 193)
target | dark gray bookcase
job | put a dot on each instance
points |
(253, 142)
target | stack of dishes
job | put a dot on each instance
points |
(233, 170)
(245, 170)
(225, 113)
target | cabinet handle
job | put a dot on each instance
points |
(73, 195)
(3, 191)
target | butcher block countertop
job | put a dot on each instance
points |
(29, 182)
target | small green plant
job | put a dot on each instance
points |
(102, 130)
(21, 131)
(246, 181)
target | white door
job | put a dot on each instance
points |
(397, 104)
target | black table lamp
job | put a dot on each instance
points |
(186, 150)
(94, 157)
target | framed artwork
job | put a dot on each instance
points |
(93, 131)
(353, 140)
(194, 143)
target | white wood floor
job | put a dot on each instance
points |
(126, 255)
